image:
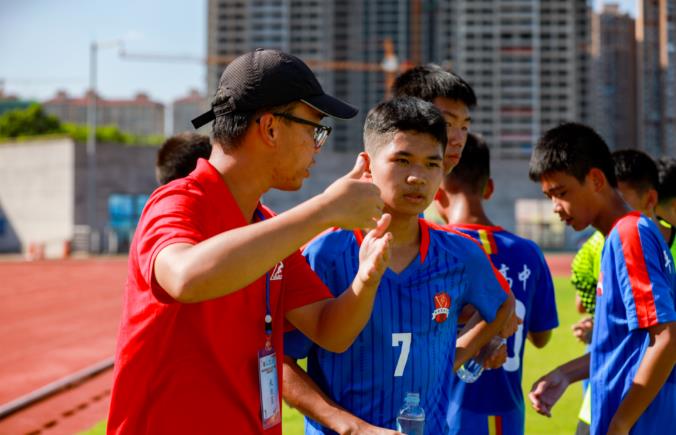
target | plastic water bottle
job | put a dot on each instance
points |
(411, 418)
(472, 369)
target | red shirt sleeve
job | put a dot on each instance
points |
(170, 217)
(301, 286)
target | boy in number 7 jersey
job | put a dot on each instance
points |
(409, 344)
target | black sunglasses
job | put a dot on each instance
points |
(321, 131)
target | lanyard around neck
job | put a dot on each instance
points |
(268, 315)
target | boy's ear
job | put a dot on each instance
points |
(489, 188)
(597, 178)
(651, 199)
(367, 165)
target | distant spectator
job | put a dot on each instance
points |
(178, 156)
(666, 189)
(665, 210)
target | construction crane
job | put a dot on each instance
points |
(389, 66)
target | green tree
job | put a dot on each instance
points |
(31, 121)
(104, 133)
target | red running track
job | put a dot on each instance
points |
(57, 317)
(559, 263)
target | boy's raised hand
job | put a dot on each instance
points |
(374, 253)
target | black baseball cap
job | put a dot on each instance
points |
(264, 78)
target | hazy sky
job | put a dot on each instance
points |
(44, 46)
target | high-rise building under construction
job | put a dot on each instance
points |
(529, 62)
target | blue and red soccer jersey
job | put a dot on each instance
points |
(495, 400)
(408, 345)
(636, 290)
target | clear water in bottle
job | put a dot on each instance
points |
(411, 418)
(470, 371)
(473, 368)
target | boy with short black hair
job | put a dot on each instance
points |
(454, 97)
(637, 179)
(178, 155)
(633, 351)
(494, 403)
(637, 182)
(409, 344)
(451, 94)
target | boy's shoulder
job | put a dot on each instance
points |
(637, 241)
(632, 229)
(330, 243)
(508, 240)
(453, 241)
(446, 232)
(515, 241)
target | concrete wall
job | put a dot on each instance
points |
(36, 194)
(119, 169)
(43, 190)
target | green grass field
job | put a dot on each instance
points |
(562, 347)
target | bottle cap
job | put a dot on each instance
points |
(412, 398)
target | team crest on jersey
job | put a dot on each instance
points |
(599, 285)
(277, 272)
(442, 305)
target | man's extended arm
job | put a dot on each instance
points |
(232, 260)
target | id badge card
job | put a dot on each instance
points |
(271, 413)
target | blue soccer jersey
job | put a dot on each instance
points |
(498, 392)
(408, 345)
(635, 291)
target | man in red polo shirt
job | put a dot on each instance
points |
(215, 277)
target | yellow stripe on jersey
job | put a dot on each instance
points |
(491, 423)
(494, 425)
(485, 243)
(585, 411)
